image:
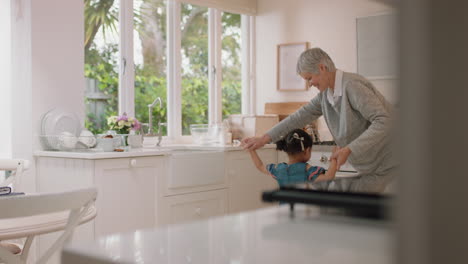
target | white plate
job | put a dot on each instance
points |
(49, 143)
(57, 121)
(43, 121)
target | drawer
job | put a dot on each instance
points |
(190, 207)
(129, 163)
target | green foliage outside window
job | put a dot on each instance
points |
(101, 67)
(147, 88)
(150, 79)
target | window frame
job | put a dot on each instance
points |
(126, 62)
(173, 74)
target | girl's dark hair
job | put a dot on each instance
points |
(291, 143)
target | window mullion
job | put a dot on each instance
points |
(252, 61)
(174, 89)
(126, 65)
(248, 65)
(214, 66)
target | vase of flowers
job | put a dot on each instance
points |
(123, 125)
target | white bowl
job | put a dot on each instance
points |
(87, 138)
(67, 140)
(108, 144)
(203, 134)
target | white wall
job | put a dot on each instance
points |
(47, 69)
(330, 25)
(5, 79)
(21, 110)
(58, 56)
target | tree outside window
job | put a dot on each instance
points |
(101, 62)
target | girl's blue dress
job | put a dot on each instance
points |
(295, 173)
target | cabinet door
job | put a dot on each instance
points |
(190, 207)
(246, 183)
(126, 193)
(59, 175)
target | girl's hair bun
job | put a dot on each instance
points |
(294, 142)
(281, 145)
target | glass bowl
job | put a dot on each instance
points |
(204, 134)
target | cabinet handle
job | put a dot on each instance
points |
(198, 211)
(133, 163)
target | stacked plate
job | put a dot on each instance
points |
(59, 130)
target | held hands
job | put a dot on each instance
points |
(253, 143)
(333, 156)
(341, 155)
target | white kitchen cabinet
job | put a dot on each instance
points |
(245, 182)
(126, 190)
(225, 183)
(193, 188)
(138, 192)
(58, 175)
(193, 206)
(126, 193)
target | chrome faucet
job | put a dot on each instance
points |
(150, 114)
(150, 123)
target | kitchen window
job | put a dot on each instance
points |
(194, 70)
(189, 55)
(101, 62)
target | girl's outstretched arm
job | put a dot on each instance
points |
(330, 174)
(258, 162)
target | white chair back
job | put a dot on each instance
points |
(77, 202)
(17, 166)
(34, 204)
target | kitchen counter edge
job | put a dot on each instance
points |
(140, 152)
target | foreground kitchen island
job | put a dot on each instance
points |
(270, 235)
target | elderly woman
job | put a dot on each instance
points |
(357, 115)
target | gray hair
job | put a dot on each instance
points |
(310, 59)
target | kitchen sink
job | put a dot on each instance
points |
(193, 167)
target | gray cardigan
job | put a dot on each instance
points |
(362, 122)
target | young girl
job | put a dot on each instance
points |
(298, 145)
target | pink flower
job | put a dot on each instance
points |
(123, 124)
(122, 117)
(136, 125)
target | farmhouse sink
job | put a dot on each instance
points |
(193, 167)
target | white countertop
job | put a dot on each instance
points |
(263, 236)
(142, 152)
(139, 152)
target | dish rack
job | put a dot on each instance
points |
(66, 142)
(73, 143)
(61, 131)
